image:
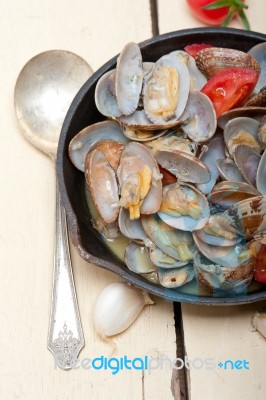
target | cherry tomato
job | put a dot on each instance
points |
(193, 49)
(260, 268)
(212, 17)
(230, 87)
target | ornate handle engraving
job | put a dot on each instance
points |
(65, 338)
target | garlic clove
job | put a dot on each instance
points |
(116, 307)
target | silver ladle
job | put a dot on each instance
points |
(44, 91)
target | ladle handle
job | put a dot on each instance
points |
(65, 337)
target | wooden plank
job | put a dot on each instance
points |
(96, 30)
(220, 333)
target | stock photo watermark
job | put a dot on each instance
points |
(146, 363)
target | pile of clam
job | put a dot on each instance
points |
(187, 189)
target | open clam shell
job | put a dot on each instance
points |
(227, 193)
(176, 277)
(212, 60)
(139, 120)
(247, 161)
(242, 130)
(210, 153)
(202, 122)
(166, 90)
(216, 234)
(134, 158)
(216, 279)
(184, 207)
(129, 78)
(262, 131)
(183, 165)
(131, 229)
(162, 260)
(102, 183)
(138, 260)
(141, 135)
(104, 98)
(83, 142)
(173, 242)
(172, 142)
(258, 52)
(112, 151)
(226, 256)
(197, 79)
(258, 99)
(229, 171)
(248, 217)
(251, 112)
(261, 175)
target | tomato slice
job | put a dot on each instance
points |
(193, 49)
(260, 268)
(230, 87)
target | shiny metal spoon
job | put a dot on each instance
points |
(44, 91)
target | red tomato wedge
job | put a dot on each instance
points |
(230, 88)
(193, 49)
(260, 268)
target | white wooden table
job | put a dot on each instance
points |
(96, 30)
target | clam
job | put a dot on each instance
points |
(216, 279)
(202, 122)
(137, 259)
(227, 193)
(248, 217)
(183, 165)
(162, 260)
(166, 90)
(173, 242)
(258, 99)
(140, 180)
(215, 232)
(83, 142)
(141, 135)
(176, 277)
(139, 120)
(210, 153)
(184, 207)
(212, 60)
(260, 238)
(112, 151)
(247, 161)
(226, 256)
(131, 229)
(261, 175)
(242, 130)
(172, 142)
(105, 100)
(102, 183)
(129, 78)
(197, 79)
(229, 171)
(251, 112)
(262, 131)
(258, 52)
